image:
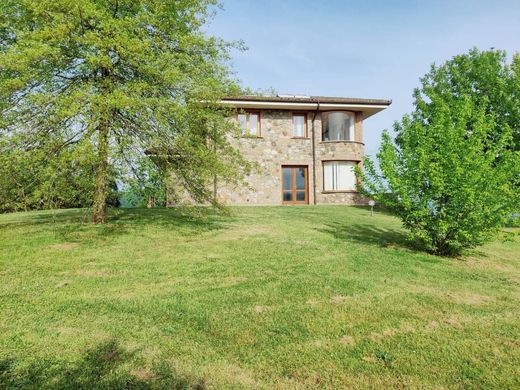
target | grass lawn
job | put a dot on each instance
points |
(269, 297)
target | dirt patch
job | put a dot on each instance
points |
(406, 328)
(470, 298)
(339, 299)
(64, 246)
(454, 323)
(232, 373)
(389, 332)
(93, 273)
(376, 337)
(450, 321)
(318, 343)
(67, 331)
(261, 309)
(142, 374)
(62, 284)
(347, 340)
(313, 302)
(111, 355)
(431, 326)
(369, 359)
(487, 265)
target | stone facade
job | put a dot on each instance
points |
(276, 147)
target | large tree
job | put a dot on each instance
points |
(129, 77)
(484, 77)
(451, 173)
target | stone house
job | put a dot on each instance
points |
(306, 148)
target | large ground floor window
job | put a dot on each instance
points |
(339, 176)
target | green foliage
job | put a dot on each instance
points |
(48, 177)
(146, 187)
(127, 77)
(33, 179)
(486, 79)
(451, 173)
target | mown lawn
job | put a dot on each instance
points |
(269, 297)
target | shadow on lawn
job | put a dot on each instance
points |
(75, 224)
(103, 367)
(369, 234)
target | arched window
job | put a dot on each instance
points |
(337, 126)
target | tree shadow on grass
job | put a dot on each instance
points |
(75, 225)
(369, 234)
(104, 367)
(196, 217)
(378, 209)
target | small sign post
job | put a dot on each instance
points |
(371, 203)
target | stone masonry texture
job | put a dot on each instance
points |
(276, 147)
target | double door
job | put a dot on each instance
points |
(295, 184)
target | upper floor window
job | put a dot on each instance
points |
(337, 126)
(249, 123)
(299, 125)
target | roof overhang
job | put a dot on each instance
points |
(367, 109)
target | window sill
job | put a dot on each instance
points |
(300, 137)
(342, 141)
(340, 192)
(251, 137)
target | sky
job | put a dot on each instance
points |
(366, 49)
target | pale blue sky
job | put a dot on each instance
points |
(374, 49)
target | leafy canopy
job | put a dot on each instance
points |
(486, 79)
(451, 173)
(128, 78)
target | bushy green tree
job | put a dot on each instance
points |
(146, 186)
(450, 174)
(125, 76)
(49, 176)
(485, 78)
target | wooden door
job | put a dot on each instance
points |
(295, 184)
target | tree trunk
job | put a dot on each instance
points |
(100, 196)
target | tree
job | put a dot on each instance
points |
(147, 186)
(451, 172)
(486, 79)
(41, 178)
(125, 76)
(29, 180)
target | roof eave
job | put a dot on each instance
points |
(367, 109)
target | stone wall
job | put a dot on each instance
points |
(276, 147)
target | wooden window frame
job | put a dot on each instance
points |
(248, 134)
(305, 127)
(324, 191)
(293, 190)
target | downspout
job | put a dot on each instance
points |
(314, 153)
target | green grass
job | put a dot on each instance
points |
(269, 297)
